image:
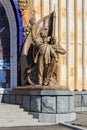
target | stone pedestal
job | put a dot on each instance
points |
(57, 106)
(50, 105)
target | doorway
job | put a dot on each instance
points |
(8, 46)
(4, 49)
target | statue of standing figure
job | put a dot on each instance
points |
(43, 58)
(40, 52)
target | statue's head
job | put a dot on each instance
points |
(43, 36)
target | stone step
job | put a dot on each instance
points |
(18, 119)
(15, 116)
(8, 105)
(14, 109)
(18, 124)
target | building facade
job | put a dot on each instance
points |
(71, 31)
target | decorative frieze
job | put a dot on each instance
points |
(27, 12)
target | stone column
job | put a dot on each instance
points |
(59, 39)
(67, 42)
(76, 44)
(83, 46)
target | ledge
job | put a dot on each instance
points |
(26, 91)
(80, 92)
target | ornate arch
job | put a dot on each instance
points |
(13, 41)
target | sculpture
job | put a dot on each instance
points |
(39, 57)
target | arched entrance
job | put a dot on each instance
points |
(8, 50)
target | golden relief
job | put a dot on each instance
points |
(26, 10)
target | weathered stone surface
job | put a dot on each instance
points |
(65, 117)
(48, 118)
(6, 98)
(71, 104)
(49, 104)
(12, 99)
(1, 98)
(35, 103)
(26, 102)
(77, 100)
(49, 108)
(19, 100)
(56, 92)
(79, 109)
(62, 104)
(80, 92)
(56, 118)
(84, 100)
